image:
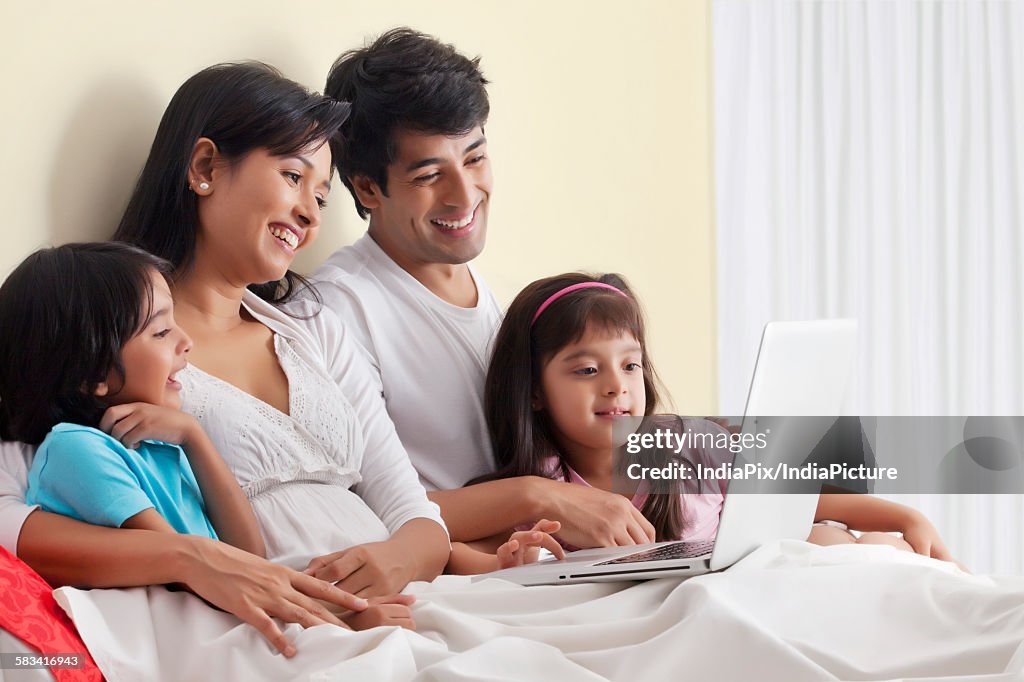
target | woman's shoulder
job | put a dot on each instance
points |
(302, 318)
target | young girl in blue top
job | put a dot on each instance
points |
(89, 352)
(570, 356)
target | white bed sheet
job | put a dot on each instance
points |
(790, 611)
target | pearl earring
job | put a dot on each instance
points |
(204, 186)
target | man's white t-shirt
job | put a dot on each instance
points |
(430, 356)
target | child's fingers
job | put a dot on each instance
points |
(509, 548)
(400, 611)
(113, 415)
(522, 547)
(403, 621)
(507, 552)
(535, 539)
(396, 614)
(126, 425)
(138, 433)
(519, 555)
(551, 544)
(546, 526)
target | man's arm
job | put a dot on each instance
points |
(590, 517)
(486, 509)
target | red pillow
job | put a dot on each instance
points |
(29, 612)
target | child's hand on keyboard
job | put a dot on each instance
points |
(524, 545)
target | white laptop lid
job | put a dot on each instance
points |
(803, 369)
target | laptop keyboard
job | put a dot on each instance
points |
(677, 550)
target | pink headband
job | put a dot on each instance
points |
(569, 289)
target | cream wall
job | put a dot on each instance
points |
(600, 134)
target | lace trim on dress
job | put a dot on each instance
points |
(318, 442)
(318, 403)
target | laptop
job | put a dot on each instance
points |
(802, 369)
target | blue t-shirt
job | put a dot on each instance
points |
(83, 473)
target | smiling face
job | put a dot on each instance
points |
(257, 212)
(435, 209)
(152, 358)
(588, 383)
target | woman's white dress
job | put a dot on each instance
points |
(331, 473)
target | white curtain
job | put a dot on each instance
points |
(869, 163)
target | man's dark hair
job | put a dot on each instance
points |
(65, 315)
(403, 80)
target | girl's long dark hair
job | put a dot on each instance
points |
(523, 438)
(65, 315)
(241, 107)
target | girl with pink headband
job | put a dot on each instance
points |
(569, 358)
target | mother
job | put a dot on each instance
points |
(233, 187)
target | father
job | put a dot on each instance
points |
(416, 163)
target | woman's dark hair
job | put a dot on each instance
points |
(240, 107)
(523, 438)
(404, 79)
(65, 315)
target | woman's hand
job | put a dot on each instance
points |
(524, 545)
(258, 591)
(384, 611)
(418, 550)
(68, 552)
(132, 423)
(375, 569)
